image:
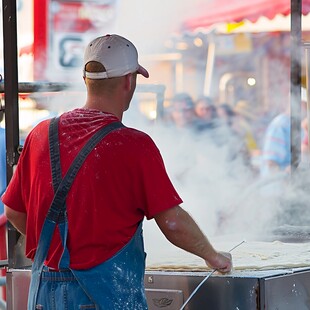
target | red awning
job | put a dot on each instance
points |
(221, 11)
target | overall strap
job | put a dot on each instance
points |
(54, 214)
(58, 207)
(55, 153)
(57, 211)
(64, 261)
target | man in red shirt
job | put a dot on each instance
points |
(95, 247)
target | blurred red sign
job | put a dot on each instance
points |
(78, 17)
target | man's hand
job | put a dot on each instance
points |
(222, 262)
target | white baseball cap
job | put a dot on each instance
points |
(117, 54)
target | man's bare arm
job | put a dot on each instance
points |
(181, 230)
(17, 219)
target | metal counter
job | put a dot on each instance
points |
(244, 290)
(284, 289)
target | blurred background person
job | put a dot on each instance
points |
(305, 141)
(246, 124)
(182, 112)
(206, 113)
(276, 152)
(225, 114)
(243, 122)
(228, 136)
(305, 152)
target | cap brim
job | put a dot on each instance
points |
(143, 71)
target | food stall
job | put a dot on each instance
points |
(171, 285)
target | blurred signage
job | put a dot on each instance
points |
(81, 16)
(233, 26)
(233, 44)
(71, 25)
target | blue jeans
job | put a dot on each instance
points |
(116, 284)
(61, 291)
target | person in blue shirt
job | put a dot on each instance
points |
(2, 162)
(276, 153)
(277, 145)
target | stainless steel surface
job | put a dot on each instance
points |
(17, 281)
(284, 289)
(287, 292)
(163, 298)
(249, 290)
(216, 293)
(33, 87)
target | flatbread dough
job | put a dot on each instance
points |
(252, 255)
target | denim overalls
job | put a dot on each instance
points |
(117, 283)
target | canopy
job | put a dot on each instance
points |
(219, 11)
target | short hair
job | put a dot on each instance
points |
(185, 98)
(206, 100)
(95, 66)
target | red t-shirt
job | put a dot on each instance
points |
(122, 180)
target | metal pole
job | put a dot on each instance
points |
(295, 87)
(307, 51)
(209, 68)
(11, 102)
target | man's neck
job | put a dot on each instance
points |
(98, 104)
